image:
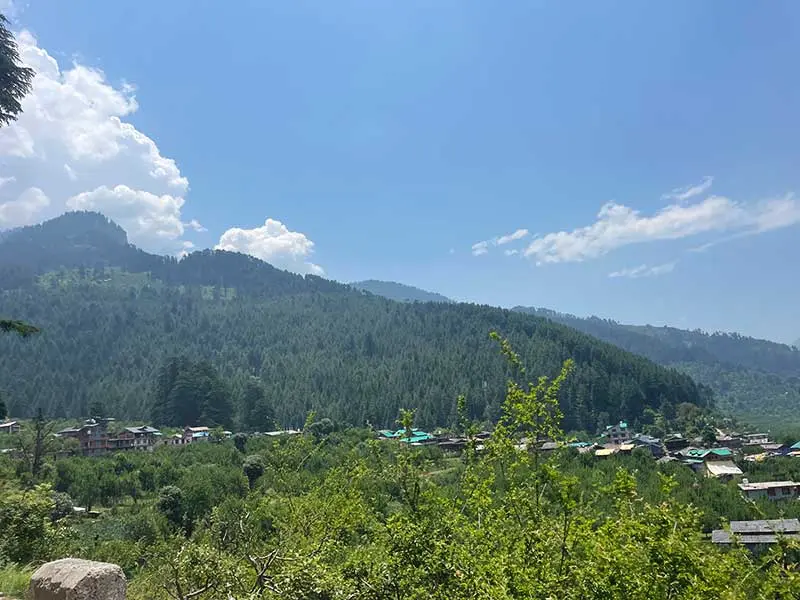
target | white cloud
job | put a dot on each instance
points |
(24, 209)
(618, 225)
(511, 252)
(682, 194)
(645, 271)
(196, 226)
(155, 221)
(72, 143)
(480, 248)
(273, 243)
(517, 235)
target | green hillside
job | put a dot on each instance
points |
(279, 344)
(756, 378)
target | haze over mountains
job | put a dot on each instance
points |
(280, 344)
(398, 291)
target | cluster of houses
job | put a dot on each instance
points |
(96, 437)
(716, 461)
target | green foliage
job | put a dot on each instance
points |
(16, 79)
(240, 441)
(25, 523)
(190, 393)
(18, 327)
(253, 467)
(15, 580)
(172, 505)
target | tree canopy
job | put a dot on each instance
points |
(16, 80)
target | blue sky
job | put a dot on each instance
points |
(404, 140)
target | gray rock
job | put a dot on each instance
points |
(76, 579)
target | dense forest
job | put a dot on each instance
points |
(755, 378)
(277, 345)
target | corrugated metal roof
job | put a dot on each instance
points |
(724, 467)
(766, 526)
(766, 485)
(605, 451)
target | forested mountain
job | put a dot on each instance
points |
(750, 376)
(275, 344)
(398, 291)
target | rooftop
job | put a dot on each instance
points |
(757, 532)
(766, 485)
(142, 429)
(724, 467)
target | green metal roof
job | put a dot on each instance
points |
(703, 452)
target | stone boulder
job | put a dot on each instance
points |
(76, 579)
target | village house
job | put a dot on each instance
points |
(772, 490)
(756, 535)
(652, 444)
(196, 434)
(675, 442)
(618, 434)
(724, 470)
(9, 427)
(135, 438)
(94, 437)
(756, 439)
(417, 438)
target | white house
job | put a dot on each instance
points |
(772, 490)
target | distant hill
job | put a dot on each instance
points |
(750, 376)
(797, 343)
(398, 291)
(261, 342)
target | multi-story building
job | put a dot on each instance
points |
(618, 434)
(135, 438)
(94, 437)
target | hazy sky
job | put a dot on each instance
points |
(634, 160)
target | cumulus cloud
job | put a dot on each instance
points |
(152, 220)
(23, 210)
(274, 243)
(645, 271)
(618, 225)
(72, 143)
(682, 194)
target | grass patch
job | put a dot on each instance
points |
(14, 580)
